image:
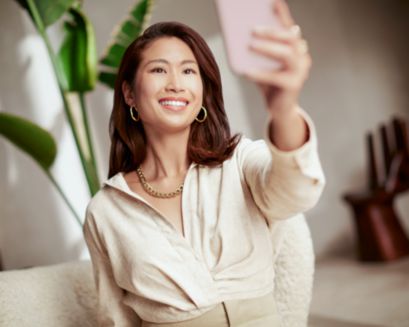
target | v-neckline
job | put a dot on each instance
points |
(127, 189)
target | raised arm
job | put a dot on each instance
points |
(284, 177)
(283, 183)
(281, 87)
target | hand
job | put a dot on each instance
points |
(281, 87)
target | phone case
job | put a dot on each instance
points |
(237, 19)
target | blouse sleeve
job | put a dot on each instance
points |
(111, 310)
(283, 183)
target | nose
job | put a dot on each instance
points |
(174, 83)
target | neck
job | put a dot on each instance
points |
(166, 156)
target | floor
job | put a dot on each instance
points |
(320, 321)
(351, 293)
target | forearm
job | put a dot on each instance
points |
(288, 131)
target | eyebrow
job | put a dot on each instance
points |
(183, 62)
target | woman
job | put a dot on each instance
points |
(201, 257)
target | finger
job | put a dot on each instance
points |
(278, 51)
(299, 45)
(279, 80)
(283, 79)
(283, 12)
(272, 33)
(302, 47)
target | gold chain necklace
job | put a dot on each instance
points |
(150, 190)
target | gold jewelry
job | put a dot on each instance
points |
(132, 116)
(296, 30)
(204, 115)
(149, 189)
(303, 47)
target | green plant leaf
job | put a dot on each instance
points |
(125, 33)
(30, 138)
(78, 55)
(108, 79)
(114, 55)
(49, 10)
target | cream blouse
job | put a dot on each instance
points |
(145, 269)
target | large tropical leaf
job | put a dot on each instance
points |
(30, 138)
(78, 54)
(123, 35)
(49, 10)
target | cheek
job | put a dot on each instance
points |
(147, 89)
(197, 88)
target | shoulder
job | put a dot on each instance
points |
(96, 204)
(103, 199)
(247, 143)
(96, 201)
(247, 148)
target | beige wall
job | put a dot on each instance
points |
(359, 79)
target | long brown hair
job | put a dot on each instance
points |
(210, 142)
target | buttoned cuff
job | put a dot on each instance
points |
(304, 158)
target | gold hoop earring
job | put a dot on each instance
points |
(132, 116)
(204, 115)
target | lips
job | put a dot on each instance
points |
(174, 104)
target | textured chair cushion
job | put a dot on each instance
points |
(59, 295)
(294, 269)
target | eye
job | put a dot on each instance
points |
(157, 70)
(189, 71)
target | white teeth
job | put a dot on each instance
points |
(173, 103)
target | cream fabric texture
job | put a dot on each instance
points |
(144, 269)
(60, 295)
(64, 295)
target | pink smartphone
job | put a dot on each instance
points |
(237, 19)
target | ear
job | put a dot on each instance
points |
(128, 94)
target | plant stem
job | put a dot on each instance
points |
(88, 132)
(59, 189)
(93, 183)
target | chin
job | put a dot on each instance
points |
(175, 127)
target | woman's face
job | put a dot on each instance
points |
(168, 89)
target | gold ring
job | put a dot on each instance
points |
(296, 30)
(303, 47)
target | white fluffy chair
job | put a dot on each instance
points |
(60, 295)
(63, 295)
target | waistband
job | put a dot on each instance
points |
(255, 312)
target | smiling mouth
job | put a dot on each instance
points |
(175, 105)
